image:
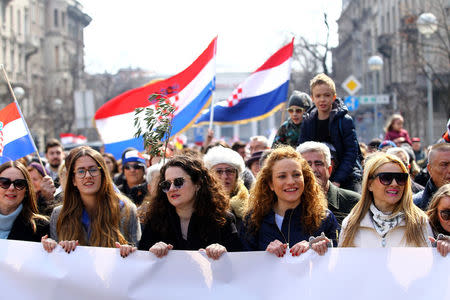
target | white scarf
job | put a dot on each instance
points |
(384, 223)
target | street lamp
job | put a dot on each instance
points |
(427, 25)
(375, 63)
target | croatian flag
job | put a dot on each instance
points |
(70, 138)
(190, 91)
(15, 139)
(259, 96)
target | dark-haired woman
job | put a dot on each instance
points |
(189, 211)
(19, 218)
(93, 214)
(439, 215)
(287, 208)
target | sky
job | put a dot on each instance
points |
(166, 36)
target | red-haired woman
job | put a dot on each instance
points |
(287, 208)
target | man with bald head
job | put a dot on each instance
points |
(439, 169)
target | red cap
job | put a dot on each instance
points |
(416, 139)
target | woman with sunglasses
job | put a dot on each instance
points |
(287, 208)
(19, 217)
(92, 214)
(439, 214)
(288, 133)
(386, 215)
(189, 211)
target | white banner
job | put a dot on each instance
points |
(28, 272)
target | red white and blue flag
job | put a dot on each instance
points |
(70, 138)
(190, 91)
(15, 139)
(259, 96)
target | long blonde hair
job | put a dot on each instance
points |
(415, 218)
(105, 230)
(262, 199)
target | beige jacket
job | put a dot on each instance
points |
(368, 237)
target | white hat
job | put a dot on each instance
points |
(221, 155)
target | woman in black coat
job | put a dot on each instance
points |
(19, 217)
(189, 211)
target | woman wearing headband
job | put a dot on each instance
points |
(189, 211)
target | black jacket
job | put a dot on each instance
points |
(136, 193)
(292, 230)
(341, 201)
(343, 137)
(226, 235)
(423, 198)
(23, 231)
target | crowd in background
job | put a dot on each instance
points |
(313, 188)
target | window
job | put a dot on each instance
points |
(19, 23)
(55, 17)
(57, 57)
(63, 19)
(11, 23)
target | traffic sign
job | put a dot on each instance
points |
(351, 85)
(372, 99)
(352, 103)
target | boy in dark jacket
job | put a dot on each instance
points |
(328, 122)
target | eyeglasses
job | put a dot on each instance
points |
(386, 178)
(133, 166)
(296, 110)
(19, 184)
(81, 173)
(228, 171)
(445, 214)
(177, 182)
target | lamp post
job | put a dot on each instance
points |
(375, 63)
(427, 25)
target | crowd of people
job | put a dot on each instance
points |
(314, 188)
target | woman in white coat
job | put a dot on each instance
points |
(386, 215)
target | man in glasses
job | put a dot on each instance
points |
(289, 131)
(439, 169)
(134, 186)
(318, 156)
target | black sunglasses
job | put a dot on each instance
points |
(166, 184)
(19, 184)
(387, 177)
(133, 166)
(445, 214)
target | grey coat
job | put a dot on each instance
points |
(129, 223)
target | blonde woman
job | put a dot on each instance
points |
(386, 215)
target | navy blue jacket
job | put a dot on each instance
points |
(423, 198)
(343, 137)
(292, 231)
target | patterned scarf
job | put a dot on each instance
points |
(384, 223)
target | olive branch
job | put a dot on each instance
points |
(154, 124)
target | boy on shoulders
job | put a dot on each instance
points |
(328, 122)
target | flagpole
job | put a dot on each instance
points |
(211, 110)
(21, 115)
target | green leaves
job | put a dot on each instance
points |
(154, 124)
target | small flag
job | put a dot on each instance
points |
(15, 140)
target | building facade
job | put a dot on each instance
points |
(42, 49)
(388, 28)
